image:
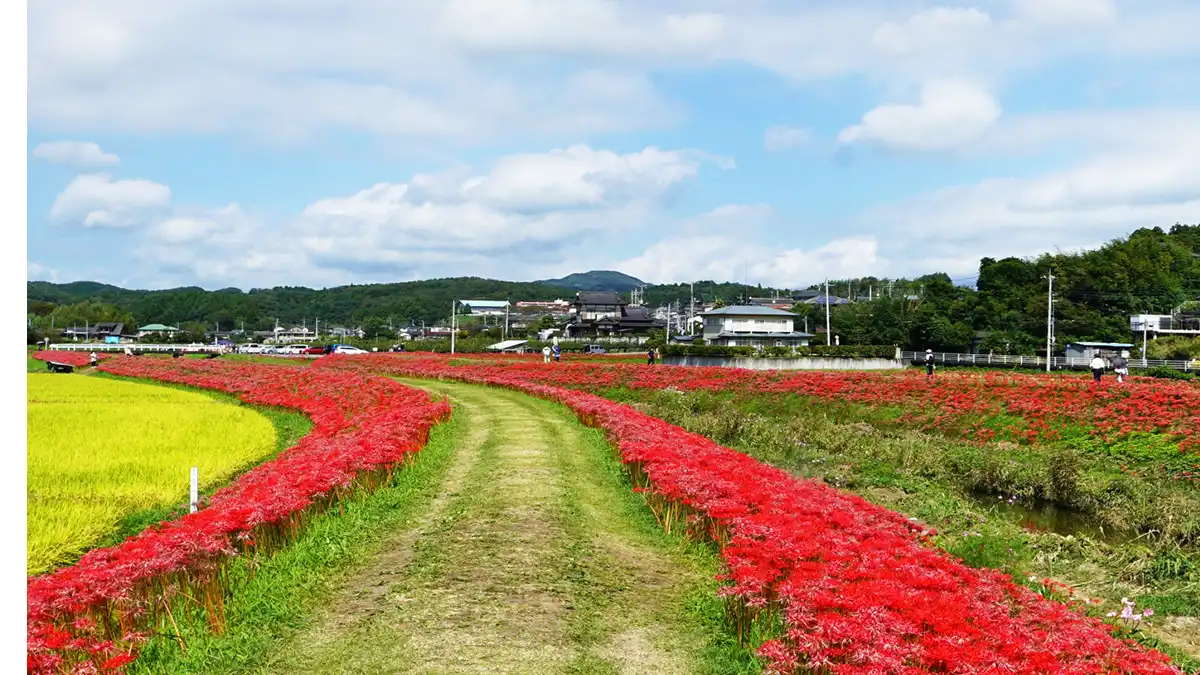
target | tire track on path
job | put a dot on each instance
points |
(532, 559)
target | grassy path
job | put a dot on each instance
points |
(535, 557)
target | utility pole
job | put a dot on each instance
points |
(1145, 320)
(453, 319)
(828, 333)
(1049, 320)
(317, 328)
(692, 309)
(506, 322)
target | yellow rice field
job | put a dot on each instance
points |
(102, 449)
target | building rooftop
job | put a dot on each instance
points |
(485, 304)
(507, 344)
(748, 310)
(833, 300)
(157, 327)
(1101, 344)
(599, 298)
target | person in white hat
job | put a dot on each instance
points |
(929, 364)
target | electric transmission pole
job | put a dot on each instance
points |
(1049, 321)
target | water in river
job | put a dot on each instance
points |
(1045, 516)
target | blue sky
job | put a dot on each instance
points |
(258, 143)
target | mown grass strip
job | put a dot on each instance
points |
(278, 596)
(635, 591)
(600, 498)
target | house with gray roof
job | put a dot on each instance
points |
(752, 326)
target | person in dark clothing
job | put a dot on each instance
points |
(650, 356)
(1121, 367)
(929, 364)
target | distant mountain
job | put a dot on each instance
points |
(596, 280)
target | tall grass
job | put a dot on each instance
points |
(102, 449)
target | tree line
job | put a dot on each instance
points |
(1095, 292)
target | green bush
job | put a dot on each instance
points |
(1166, 373)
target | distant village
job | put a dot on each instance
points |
(607, 315)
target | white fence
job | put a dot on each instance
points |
(1056, 362)
(138, 348)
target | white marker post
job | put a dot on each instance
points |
(195, 488)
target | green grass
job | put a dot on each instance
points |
(536, 556)
(286, 589)
(699, 611)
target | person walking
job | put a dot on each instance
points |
(94, 359)
(650, 356)
(1097, 366)
(545, 355)
(928, 364)
(1121, 367)
(557, 352)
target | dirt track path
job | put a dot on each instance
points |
(533, 559)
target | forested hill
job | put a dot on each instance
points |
(1095, 292)
(1151, 271)
(596, 280)
(418, 301)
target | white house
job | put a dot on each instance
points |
(752, 326)
(293, 334)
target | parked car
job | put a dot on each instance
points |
(348, 349)
(251, 348)
(292, 350)
(594, 349)
(314, 350)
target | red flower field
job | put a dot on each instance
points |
(90, 616)
(858, 588)
(77, 359)
(981, 406)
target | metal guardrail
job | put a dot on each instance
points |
(1056, 362)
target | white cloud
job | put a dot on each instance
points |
(1101, 198)
(96, 200)
(529, 215)
(35, 271)
(1069, 12)
(931, 30)
(949, 114)
(727, 258)
(287, 71)
(780, 138)
(76, 153)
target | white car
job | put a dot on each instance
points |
(251, 348)
(347, 349)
